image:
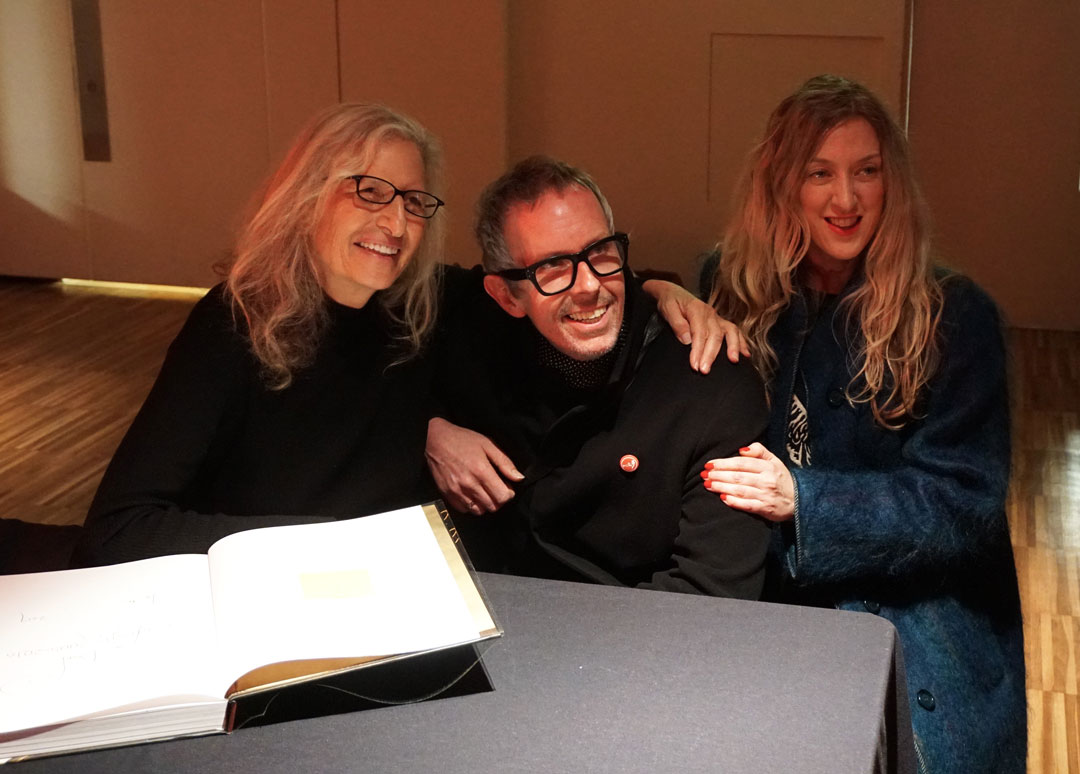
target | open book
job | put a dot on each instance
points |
(169, 646)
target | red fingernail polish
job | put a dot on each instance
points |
(705, 474)
(744, 449)
(708, 466)
(723, 497)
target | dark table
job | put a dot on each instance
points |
(601, 679)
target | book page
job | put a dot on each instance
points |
(372, 586)
(77, 642)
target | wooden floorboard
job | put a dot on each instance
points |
(76, 364)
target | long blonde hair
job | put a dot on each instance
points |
(273, 279)
(897, 306)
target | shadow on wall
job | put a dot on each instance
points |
(37, 243)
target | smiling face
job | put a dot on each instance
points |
(362, 247)
(842, 196)
(582, 322)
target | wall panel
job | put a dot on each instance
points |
(188, 119)
(42, 223)
(201, 97)
(661, 101)
(444, 64)
(995, 126)
(301, 56)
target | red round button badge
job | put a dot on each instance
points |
(629, 463)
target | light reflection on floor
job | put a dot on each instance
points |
(1044, 518)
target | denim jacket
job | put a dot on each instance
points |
(910, 524)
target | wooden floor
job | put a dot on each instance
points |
(1044, 516)
(75, 365)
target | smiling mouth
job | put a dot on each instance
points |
(589, 318)
(380, 249)
(844, 225)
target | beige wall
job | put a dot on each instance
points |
(201, 96)
(659, 101)
(188, 127)
(42, 222)
(995, 127)
(300, 40)
(445, 64)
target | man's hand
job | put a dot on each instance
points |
(756, 482)
(468, 468)
(697, 324)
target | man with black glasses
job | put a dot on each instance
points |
(565, 368)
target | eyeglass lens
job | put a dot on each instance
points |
(379, 191)
(557, 274)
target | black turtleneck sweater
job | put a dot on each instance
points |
(214, 451)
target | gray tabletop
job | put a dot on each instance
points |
(601, 679)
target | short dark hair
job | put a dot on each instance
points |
(527, 181)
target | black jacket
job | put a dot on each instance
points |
(578, 515)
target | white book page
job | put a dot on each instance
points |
(77, 642)
(372, 586)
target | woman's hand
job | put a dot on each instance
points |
(468, 468)
(756, 482)
(697, 324)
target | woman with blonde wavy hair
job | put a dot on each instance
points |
(886, 461)
(296, 391)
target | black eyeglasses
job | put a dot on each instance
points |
(378, 191)
(552, 276)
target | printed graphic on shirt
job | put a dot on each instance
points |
(798, 434)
